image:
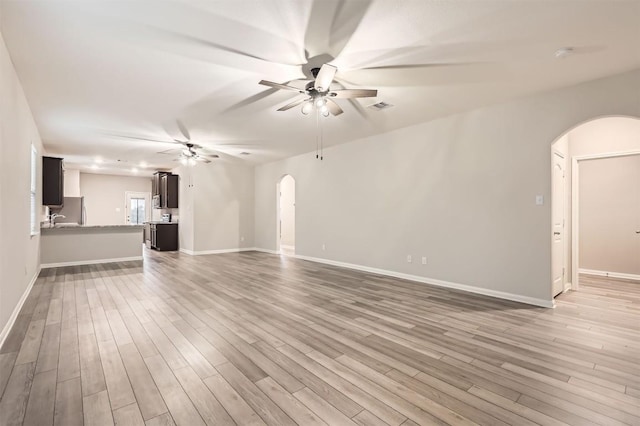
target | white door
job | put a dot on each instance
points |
(557, 217)
(287, 215)
(138, 207)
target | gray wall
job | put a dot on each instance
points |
(104, 196)
(216, 206)
(610, 215)
(458, 190)
(19, 252)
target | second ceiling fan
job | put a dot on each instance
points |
(319, 94)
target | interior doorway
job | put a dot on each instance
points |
(287, 215)
(595, 203)
(137, 207)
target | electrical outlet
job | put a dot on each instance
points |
(424, 260)
(324, 247)
(408, 258)
(241, 238)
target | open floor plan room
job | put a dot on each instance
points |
(340, 212)
(253, 338)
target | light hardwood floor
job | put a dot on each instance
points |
(256, 339)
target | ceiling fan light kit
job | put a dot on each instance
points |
(319, 92)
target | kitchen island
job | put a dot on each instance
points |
(65, 245)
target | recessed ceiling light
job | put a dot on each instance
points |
(98, 160)
(563, 52)
(95, 166)
(143, 164)
(134, 170)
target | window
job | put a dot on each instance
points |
(35, 228)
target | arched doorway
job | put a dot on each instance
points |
(596, 202)
(286, 215)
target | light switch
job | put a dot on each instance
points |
(539, 200)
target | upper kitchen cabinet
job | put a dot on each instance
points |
(169, 191)
(52, 181)
(165, 190)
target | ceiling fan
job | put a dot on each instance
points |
(189, 155)
(318, 92)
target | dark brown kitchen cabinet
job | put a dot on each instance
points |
(164, 236)
(169, 194)
(164, 188)
(155, 183)
(52, 181)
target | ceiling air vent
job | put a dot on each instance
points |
(380, 106)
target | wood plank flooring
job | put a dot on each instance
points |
(255, 339)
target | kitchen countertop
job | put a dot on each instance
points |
(156, 222)
(74, 226)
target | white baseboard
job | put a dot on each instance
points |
(201, 252)
(610, 274)
(287, 247)
(14, 315)
(90, 262)
(447, 284)
(265, 250)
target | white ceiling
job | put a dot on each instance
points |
(97, 73)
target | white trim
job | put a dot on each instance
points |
(607, 155)
(14, 315)
(282, 246)
(575, 247)
(265, 250)
(565, 261)
(90, 262)
(202, 252)
(575, 207)
(447, 284)
(622, 275)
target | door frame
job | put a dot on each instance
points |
(565, 264)
(278, 221)
(575, 207)
(137, 194)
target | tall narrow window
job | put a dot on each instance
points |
(34, 188)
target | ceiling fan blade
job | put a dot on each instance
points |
(209, 155)
(354, 93)
(183, 130)
(413, 66)
(325, 77)
(202, 159)
(293, 104)
(331, 25)
(429, 74)
(137, 138)
(280, 86)
(334, 108)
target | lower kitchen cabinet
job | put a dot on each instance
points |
(164, 236)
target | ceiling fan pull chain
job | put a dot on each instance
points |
(317, 131)
(321, 143)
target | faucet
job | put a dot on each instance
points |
(54, 216)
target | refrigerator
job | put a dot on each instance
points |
(73, 210)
